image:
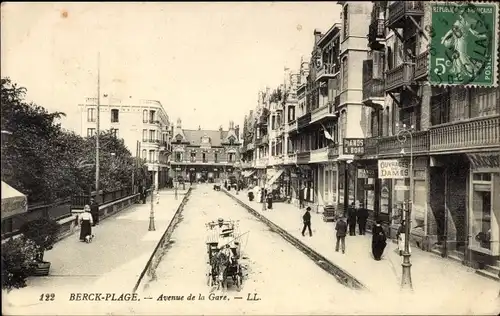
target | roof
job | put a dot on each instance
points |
(334, 30)
(193, 136)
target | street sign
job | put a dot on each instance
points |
(354, 146)
(393, 169)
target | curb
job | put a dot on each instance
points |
(342, 276)
(154, 259)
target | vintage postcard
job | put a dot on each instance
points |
(241, 158)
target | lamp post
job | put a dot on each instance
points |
(403, 134)
(176, 183)
(152, 212)
(264, 188)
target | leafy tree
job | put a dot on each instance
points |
(46, 163)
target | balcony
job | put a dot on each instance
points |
(265, 140)
(477, 133)
(373, 88)
(400, 10)
(304, 120)
(398, 77)
(292, 126)
(303, 157)
(376, 34)
(390, 146)
(328, 71)
(421, 66)
(290, 159)
(322, 113)
(324, 154)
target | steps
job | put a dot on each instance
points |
(491, 271)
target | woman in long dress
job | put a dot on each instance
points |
(401, 236)
(379, 241)
(85, 221)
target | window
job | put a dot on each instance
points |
(91, 115)
(483, 101)
(193, 157)
(152, 116)
(204, 157)
(230, 157)
(273, 122)
(344, 73)
(144, 153)
(144, 135)
(440, 106)
(151, 156)
(343, 126)
(145, 116)
(152, 135)
(90, 132)
(114, 115)
(114, 132)
(385, 121)
(482, 210)
(178, 157)
(216, 158)
(345, 20)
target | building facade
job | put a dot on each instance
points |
(454, 143)
(367, 81)
(205, 155)
(143, 125)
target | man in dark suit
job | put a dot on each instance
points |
(341, 228)
(306, 218)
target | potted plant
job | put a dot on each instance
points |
(250, 196)
(18, 256)
(43, 232)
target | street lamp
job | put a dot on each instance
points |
(152, 212)
(403, 134)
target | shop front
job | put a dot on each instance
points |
(276, 184)
(484, 208)
(326, 184)
(346, 179)
(366, 188)
(394, 175)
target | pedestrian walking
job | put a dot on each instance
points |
(306, 218)
(379, 241)
(341, 228)
(94, 211)
(362, 216)
(351, 219)
(401, 236)
(270, 200)
(85, 221)
(225, 184)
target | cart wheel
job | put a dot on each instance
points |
(238, 282)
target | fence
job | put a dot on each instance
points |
(56, 211)
(79, 201)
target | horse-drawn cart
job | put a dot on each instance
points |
(223, 250)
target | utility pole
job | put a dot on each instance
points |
(97, 175)
(152, 213)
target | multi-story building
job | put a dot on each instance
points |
(143, 125)
(454, 141)
(207, 155)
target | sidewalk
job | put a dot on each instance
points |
(112, 262)
(440, 280)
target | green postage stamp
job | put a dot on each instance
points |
(463, 45)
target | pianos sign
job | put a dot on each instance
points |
(354, 146)
(393, 169)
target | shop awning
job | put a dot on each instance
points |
(248, 173)
(13, 201)
(275, 177)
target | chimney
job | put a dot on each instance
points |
(179, 123)
(231, 125)
(237, 132)
(317, 36)
(220, 131)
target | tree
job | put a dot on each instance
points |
(46, 163)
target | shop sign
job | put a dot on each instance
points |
(393, 169)
(484, 160)
(366, 173)
(354, 146)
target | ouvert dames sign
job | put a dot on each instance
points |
(393, 169)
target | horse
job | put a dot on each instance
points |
(219, 265)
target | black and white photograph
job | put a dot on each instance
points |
(250, 158)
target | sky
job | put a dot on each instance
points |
(205, 62)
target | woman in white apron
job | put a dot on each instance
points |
(401, 238)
